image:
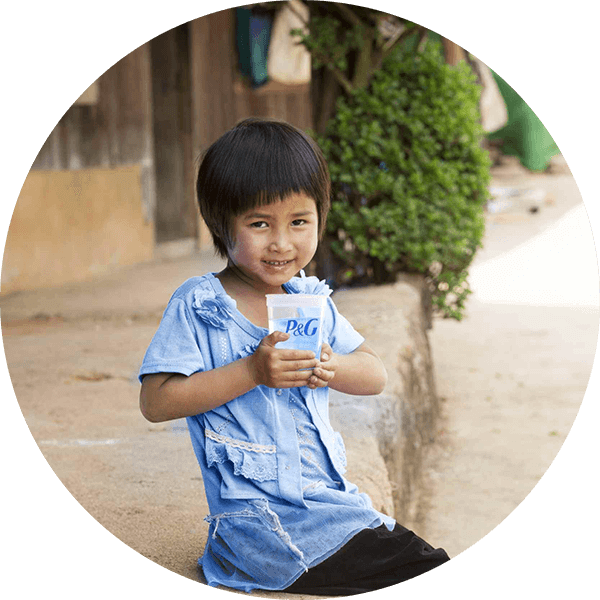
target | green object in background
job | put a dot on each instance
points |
(524, 135)
(253, 33)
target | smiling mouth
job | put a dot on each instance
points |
(277, 263)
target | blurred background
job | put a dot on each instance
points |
(113, 185)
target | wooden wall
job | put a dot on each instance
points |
(219, 96)
(119, 167)
(162, 106)
(116, 131)
(176, 213)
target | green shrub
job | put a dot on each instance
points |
(410, 178)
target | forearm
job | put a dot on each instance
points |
(361, 373)
(167, 396)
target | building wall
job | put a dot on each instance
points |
(116, 175)
(219, 96)
(70, 226)
(115, 130)
(88, 203)
(176, 214)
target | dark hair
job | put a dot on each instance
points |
(258, 162)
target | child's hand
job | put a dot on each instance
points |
(325, 370)
(280, 367)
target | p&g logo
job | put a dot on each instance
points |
(305, 328)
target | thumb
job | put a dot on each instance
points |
(274, 338)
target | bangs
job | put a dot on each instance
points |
(262, 168)
(267, 176)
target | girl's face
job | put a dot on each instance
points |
(272, 243)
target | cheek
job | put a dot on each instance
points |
(242, 246)
(315, 242)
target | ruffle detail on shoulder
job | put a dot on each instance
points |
(309, 285)
(215, 309)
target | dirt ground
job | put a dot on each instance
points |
(512, 378)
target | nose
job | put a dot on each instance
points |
(280, 241)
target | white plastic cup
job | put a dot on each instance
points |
(299, 315)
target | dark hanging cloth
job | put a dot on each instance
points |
(253, 34)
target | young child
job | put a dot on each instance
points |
(282, 515)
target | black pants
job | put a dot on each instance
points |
(373, 559)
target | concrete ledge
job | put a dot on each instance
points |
(394, 320)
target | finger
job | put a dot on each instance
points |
(293, 375)
(274, 338)
(323, 374)
(296, 379)
(300, 365)
(289, 354)
(326, 352)
(314, 382)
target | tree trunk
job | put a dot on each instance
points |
(325, 91)
(452, 52)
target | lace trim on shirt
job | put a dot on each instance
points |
(239, 443)
(251, 461)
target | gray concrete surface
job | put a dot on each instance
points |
(514, 372)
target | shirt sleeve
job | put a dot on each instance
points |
(174, 347)
(342, 337)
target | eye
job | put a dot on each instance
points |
(299, 222)
(259, 224)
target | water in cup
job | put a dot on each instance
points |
(300, 316)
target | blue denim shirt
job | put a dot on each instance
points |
(263, 515)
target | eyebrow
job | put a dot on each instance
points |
(257, 215)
